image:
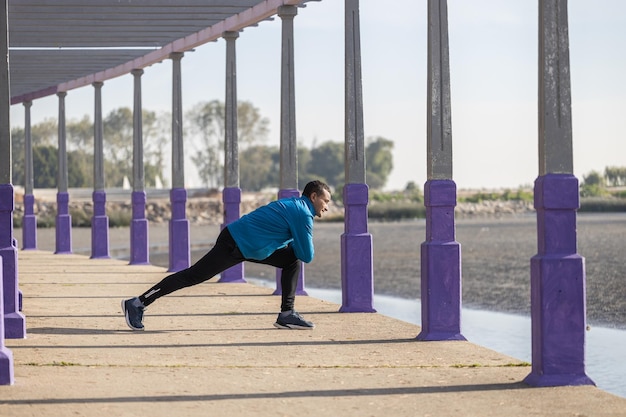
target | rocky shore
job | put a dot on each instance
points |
(208, 210)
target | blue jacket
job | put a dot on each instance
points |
(289, 220)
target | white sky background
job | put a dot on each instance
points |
(493, 59)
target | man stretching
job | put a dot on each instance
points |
(278, 234)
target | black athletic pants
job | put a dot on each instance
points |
(222, 256)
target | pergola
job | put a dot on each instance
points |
(56, 46)
(62, 45)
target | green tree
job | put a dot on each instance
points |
(615, 176)
(259, 167)
(593, 185)
(45, 166)
(379, 161)
(207, 127)
(327, 163)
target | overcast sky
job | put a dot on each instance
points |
(493, 59)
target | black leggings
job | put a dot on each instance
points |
(222, 256)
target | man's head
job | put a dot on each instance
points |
(319, 194)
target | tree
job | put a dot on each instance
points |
(259, 167)
(593, 185)
(615, 176)
(379, 161)
(327, 163)
(207, 126)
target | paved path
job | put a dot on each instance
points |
(211, 350)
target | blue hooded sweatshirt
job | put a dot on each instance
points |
(289, 220)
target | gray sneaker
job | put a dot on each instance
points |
(133, 314)
(293, 321)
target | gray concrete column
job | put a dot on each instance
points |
(288, 141)
(231, 195)
(11, 321)
(99, 220)
(139, 249)
(29, 220)
(557, 271)
(62, 182)
(98, 139)
(63, 219)
(138, 169)
(179, 249)
(231, 152)
(357, 257)
(440, 253)
(178, 155)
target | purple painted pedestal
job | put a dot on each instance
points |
(357, 268)
(63, 225)
(29, 224)
(557, 273)
(180, 256)
(287, 193)
(440, 265)
(99, 227)
(14, 321)
(232, 199)
(139, 254)
(6, 357)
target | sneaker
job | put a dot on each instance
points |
(133, 314)
(293, 321)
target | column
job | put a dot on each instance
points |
(29, 221)
(357, 268)
(231, 196)
(180, 256)
(13, 320)
(440, 253)
(288, 140)
(99, 220)
(557, 272)
(9, 279)
(6, 356)
(63, 218)
(139, 223)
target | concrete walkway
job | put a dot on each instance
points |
(211, 350)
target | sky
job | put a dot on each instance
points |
(494, 73)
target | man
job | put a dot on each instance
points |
(278, 234)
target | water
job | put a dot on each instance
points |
(509, 334)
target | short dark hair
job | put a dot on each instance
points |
(316, 187)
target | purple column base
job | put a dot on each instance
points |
(29, 224)
(356, 274)
(6, 357)
(14, 321)
(441, 292)
(232, 199)
(440, 265)
(139, 247)
(99, 227)
(357, 267)
(63, 225)
(558, 305)
(287, 193)
(180, 256)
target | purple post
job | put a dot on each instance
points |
(99, 227)
(180, 256)
(287, 193)
(357, 269)
(139, 230)
(14, 322)
(29, 224)
(440, 265)
(63, 224)
(557, 284)
(231, 196)
(6, 357)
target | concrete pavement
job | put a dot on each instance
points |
(212, 350)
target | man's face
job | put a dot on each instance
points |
(320, 202)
